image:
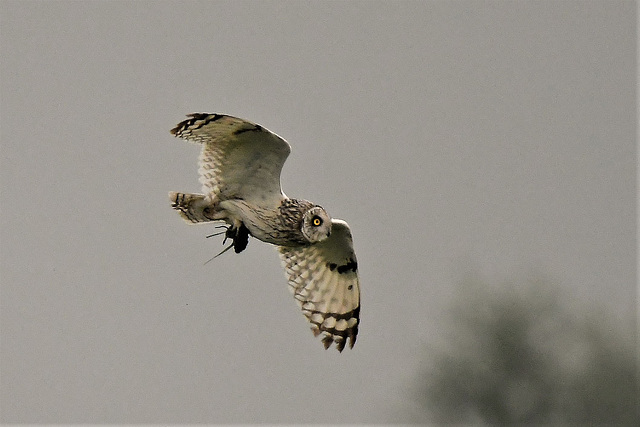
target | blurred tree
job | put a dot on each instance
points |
(519, 355)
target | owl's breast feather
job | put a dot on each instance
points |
(263, 224)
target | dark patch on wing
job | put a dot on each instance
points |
(332, 265)
(255, 128)
(352, 265)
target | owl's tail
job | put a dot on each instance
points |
(191, 207)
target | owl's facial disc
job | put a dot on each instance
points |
(316, 224)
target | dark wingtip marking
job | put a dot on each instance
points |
(352, 337)
(195, 117)
(327, 341)
(340, 337)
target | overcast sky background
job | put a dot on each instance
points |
(495, 139)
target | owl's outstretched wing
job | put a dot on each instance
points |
(239, 159)
(324, 280)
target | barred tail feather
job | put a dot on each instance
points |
(191, 207)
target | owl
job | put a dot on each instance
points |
(239, 166)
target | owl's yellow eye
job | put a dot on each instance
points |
(317, 221)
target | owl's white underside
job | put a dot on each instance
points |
(240, 167)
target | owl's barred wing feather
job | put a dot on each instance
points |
(239, 159)
(324, 280)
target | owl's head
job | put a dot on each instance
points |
(316, 224)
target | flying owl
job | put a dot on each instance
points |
(240, 165)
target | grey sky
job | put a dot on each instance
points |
(491, 138)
